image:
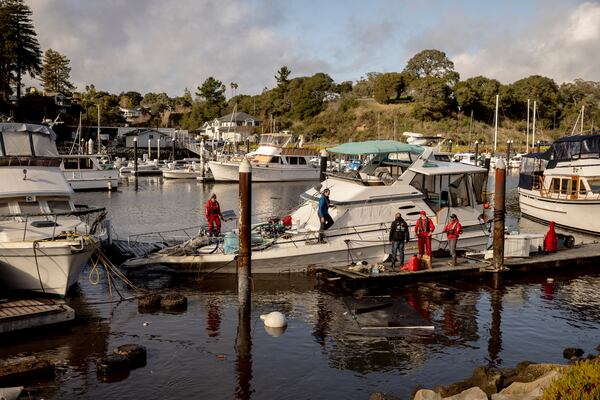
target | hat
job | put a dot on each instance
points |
(453, 216)
(423, 212)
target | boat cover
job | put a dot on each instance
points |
(376, 147)
(27, 140)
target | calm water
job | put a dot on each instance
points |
(201, 353)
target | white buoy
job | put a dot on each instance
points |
(274, 319)
(275, 332)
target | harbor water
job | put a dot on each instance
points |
(203, 353)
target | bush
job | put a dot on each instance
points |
(580, 381)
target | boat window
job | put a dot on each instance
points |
(275, 160)
(59, 206)
(292, 160)
(302, 161)
(479, 186)
(594, 185)
(70, 163)
(459, 193)
(4, 209)
(555, 185)
(564, 186)
(29, 207)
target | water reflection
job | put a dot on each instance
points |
(243, 348)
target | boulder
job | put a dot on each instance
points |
(473, 393)
(24, 368)
(527, 390)
(383, 396)
(529, 372)
(571, 352)
(426, 394)
(488, 379)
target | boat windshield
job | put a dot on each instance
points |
(277, 140)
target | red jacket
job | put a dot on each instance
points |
(213, 209)
(453, 229)
(424, 227)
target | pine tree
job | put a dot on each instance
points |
(19, 49)
(55, 72)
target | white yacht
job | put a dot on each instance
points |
(188, 168)
(44, 243)
(273, 161)
(397, 177)
(85, 172)
(563, 183)
(144, 168)
(465, 158)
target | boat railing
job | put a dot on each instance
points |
(90, 227)
(171, 236)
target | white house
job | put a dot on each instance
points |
(231, 127)
(157, 137)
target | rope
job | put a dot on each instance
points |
(37, 266)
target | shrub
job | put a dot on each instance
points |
(580, 381)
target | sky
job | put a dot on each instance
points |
(170, 45)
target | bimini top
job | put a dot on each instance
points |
(376, 147)
(576, 146)
(27, 140)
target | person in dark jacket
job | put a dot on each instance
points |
(399, 234)
(323, 213)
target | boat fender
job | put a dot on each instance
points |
(287, 221)
(412, 265)
(274, 319)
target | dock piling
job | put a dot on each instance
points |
(508, 149)
(173, 149)
(245, 252)
(450, 146)
(323, 166)
(499, 210)
(477, 153)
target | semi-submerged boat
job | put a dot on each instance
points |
(562, 184)
(275, 160)
(397, 177)
(44, 242)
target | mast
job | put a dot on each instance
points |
(99, 144)
(527, 135)
(496, 124)
(533, 127)
(582, 114)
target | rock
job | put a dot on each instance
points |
(527, 390)
(426, 394)
(529, 372)
(571, 352)
(383, 396)
(473, 393)
(453, 389)
(598, 348)
(23, 368)
(134, 352)
(174, 301)
(487, 379)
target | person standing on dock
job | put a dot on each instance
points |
(213, 215)
(323, 213)
(424, 229)
(399, 234)
(453, 230)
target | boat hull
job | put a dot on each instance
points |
(570, 214)
(229, 172)
(52, 268)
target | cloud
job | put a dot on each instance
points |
(156, 45)
(560, 43)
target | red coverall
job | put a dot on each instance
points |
(423, 229)
(213, 216)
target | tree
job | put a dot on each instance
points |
(55, 72)
(432, 63)
(130, 99)
(365, 86)
(282, 78)
(389, 87)
(213, 93)
(477, 94)
(233, 87)
(536, 88)
(432, 98)
(19, 49)
(306, 95)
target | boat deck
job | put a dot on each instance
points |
(31, 313)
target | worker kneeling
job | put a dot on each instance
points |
(453, 230)
(424, 228)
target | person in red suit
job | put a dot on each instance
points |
(453, 230)
(213, 215)
(424, 229)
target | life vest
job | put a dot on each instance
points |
(213, 208)
(455, 230)
(423, 225)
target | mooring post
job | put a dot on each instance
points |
(476, 153)
(486, 163)
(499, 204)
(450, 146)
(538, 146)
(323, 165)
(508, 148)
(244, 254)
(173, 149)
(247, 145)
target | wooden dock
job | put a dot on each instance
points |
(31, 313)
(581, 255)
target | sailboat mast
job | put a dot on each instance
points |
(533, 127)
(99, 145)
(496, 124)
(582, 114)
(527, 135)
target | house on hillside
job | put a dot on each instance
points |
(135, 115)
(156, 137)
(236, 127)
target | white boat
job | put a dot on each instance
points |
(43, 242)
(84, 172)
(187, 169)
(144, 168)
(515, 161)
(563, 183)
(273, 161)
(465, 158)
(398, 177)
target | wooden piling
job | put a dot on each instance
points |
(476, 153)
(450, 146)
(247, 146)
(173, 149)
(323, 166)
(508, 148)
(499, 210)
(244, 254)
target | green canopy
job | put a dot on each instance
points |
(376, 147)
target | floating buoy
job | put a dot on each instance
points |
(134, 352)
(174, 301)
(274, 319)
(112, 364)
